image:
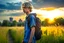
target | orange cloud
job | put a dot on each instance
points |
(48, 8)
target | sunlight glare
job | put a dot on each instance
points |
(49, 14)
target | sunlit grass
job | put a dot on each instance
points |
(3, 35)
(50, 34)
(53, 29)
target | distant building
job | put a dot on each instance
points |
(11, 19)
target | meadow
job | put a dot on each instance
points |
(50, 34)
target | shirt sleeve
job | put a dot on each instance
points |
(32, 21)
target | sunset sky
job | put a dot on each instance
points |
(44, 9)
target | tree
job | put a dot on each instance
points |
(22, 23)
(0, 23)
(62, 22)
(45, 22)
(59, 21)
(19, 24)
(14, 23)
(6, 23)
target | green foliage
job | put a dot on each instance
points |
(12, 34)
(58, 21)
(0, 23)
(5, 23)
(14, 23)
(16, 37)
(45, 22)
(20, 24)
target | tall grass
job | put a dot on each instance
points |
(3, 35)
(16, 35)
(50, 34)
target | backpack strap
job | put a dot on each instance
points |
(28, 18)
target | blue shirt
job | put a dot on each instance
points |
(28, 29)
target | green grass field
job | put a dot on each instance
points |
(50, 34)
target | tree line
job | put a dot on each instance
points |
(58, 21)
(13, 23)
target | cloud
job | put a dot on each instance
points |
(10, 1)
(46, 12)
(11, 6)
(36, 3)
(11, 13)
(48, 3)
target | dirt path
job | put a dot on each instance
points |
(10, 38)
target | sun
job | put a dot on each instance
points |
(53, 14)
(50, 14)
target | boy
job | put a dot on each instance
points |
(29, 36)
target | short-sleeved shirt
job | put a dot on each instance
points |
(28, 29)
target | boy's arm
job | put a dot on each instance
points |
(32, 26)
(32, 34)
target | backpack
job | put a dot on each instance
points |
(38, 31)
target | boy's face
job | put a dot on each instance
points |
(26, 10)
